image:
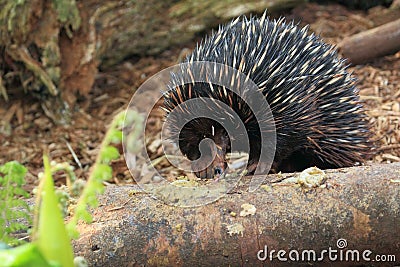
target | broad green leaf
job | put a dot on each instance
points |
(27, 255)
(52, 238)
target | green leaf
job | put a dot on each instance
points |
(115, 137)
(27, 255)
(72, 231)
(52, 238)
(119, 120)
(14, 169)
(109, 153)
(102, 172)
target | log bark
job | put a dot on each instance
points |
(373, 43)
(360, 205)
(59, 44)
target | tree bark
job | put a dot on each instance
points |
(360, 205)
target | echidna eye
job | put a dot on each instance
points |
(217, 171)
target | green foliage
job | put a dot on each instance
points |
(67, 194)
(27, 255)
(12, 207)
(109, 153)
(68, 169)
(100, 172)
(51, 244)
(50, 234)
(68, 14)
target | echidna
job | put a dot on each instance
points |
(318, 116)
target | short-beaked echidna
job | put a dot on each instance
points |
(318, 116)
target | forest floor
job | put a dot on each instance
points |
(26, 132)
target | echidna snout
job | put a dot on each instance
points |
(214, 160)
(206, 148)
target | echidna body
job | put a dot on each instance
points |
(315, 105)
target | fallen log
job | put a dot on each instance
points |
(357, 209)
(373, 43)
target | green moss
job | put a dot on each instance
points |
(51, 53)
(68, 14)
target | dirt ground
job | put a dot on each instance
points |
(26, 132)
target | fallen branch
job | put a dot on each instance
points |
(373, 43)
(360, 205)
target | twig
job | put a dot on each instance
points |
(73, 155)
(3, 90)
(387, 147)
(120, 207)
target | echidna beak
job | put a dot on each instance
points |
(217, 167)
(219, 164)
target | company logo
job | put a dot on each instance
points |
(340, 253)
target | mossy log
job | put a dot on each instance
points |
(358, 205)
(59, 44)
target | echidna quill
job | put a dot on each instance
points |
(318, 116)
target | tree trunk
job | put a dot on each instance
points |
(359, 206)
(59, 44)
